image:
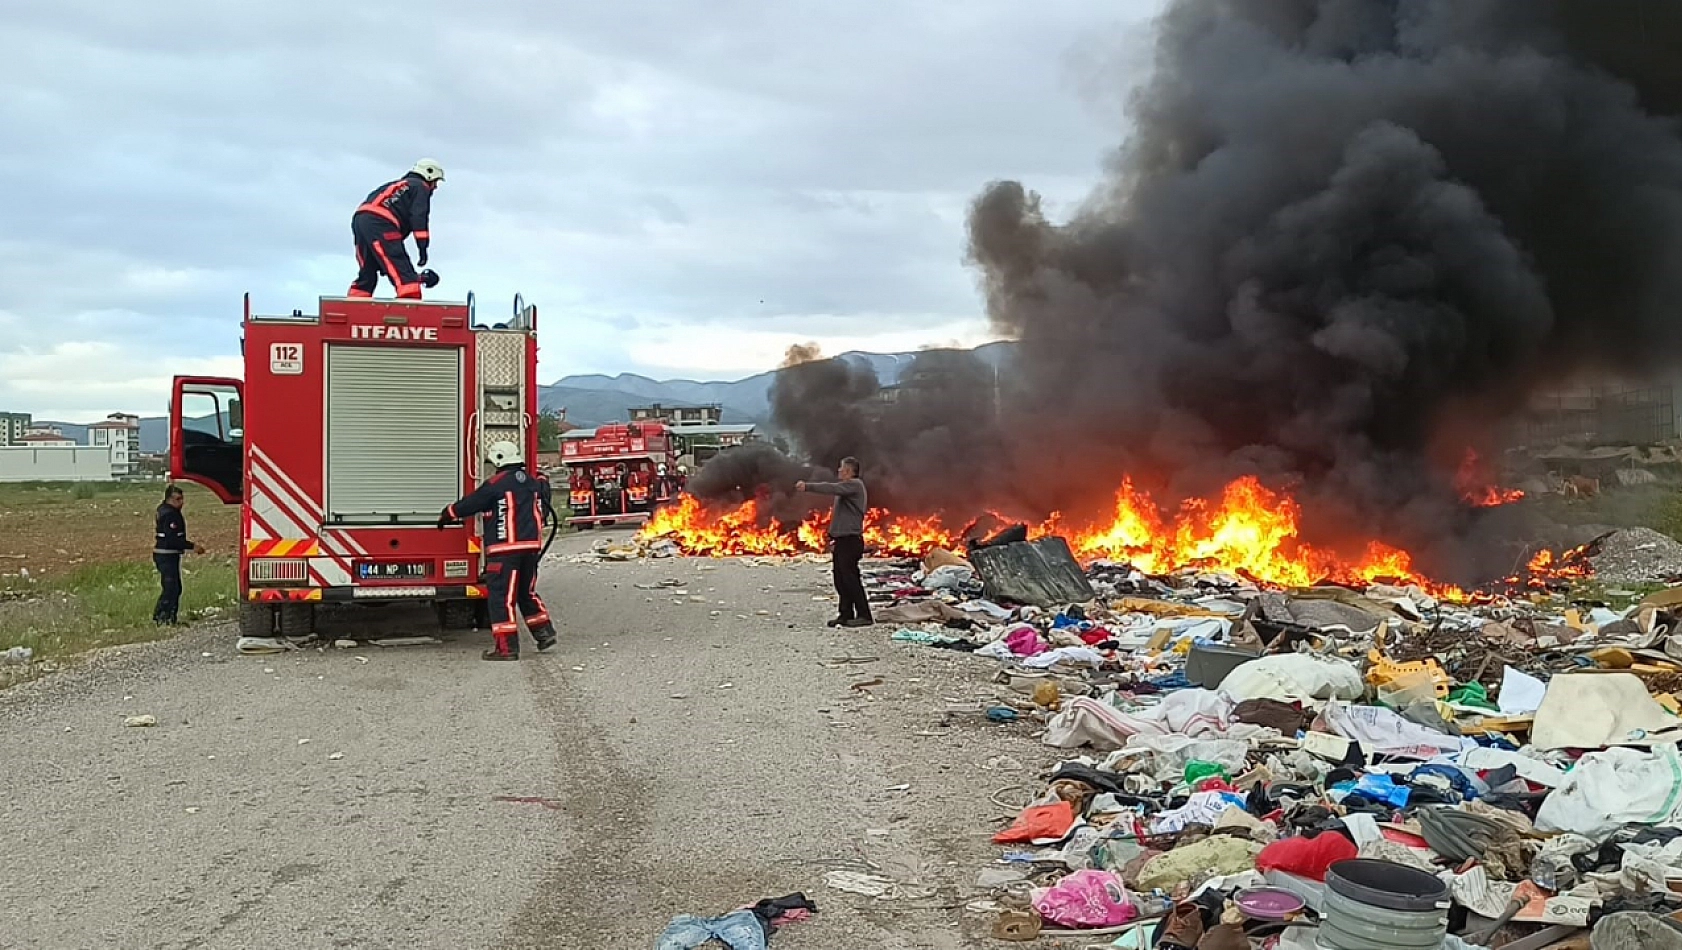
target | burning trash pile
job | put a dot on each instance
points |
(1249, 531)
(1252, 766)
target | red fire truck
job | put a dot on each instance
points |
(352, 428)
(619, 473)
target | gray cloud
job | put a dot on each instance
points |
(644, 171)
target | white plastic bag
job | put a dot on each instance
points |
(950, 577)
(1294, 677)
(1609, 789)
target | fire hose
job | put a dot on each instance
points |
(554, 521)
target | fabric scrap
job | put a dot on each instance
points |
(741, 930)
(1219, 855)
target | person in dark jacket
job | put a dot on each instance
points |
(846, 541)
(515, 505)
(392, 212)
(167, 547)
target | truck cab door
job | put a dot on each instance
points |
(207, 435)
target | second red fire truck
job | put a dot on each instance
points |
(619, 473)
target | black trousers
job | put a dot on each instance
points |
(512, 579)
(380, 250)
(846, 552)
(169, 577)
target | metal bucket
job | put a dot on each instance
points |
(1381, 905)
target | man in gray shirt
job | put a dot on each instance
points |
(846, 541)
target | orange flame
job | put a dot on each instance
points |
(1477, 485)
(1548, 568)
(745, 530)
(1249, 531)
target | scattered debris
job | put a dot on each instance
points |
(549, 803)
(746, 929)
(866, 885)
(1043, 573)
(258, 646)
(1238, 742)
(140, 722)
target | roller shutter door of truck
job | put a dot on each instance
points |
(394, 433)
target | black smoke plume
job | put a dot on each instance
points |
(1341, 240)
(755, 471)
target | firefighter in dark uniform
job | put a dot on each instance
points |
(167, 547)
(516, 504)
(391, 213)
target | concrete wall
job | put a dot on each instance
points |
(55, 463)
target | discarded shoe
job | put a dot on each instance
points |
(1017, 926)
(498, 655)
(1184, 929)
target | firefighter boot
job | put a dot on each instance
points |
(545, 636)
(507, 647)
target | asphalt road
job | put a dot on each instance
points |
(678, 753)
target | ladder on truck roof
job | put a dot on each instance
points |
(500, 403)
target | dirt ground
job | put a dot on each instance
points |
(679, 753)
(49, 531)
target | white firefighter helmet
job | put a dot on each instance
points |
(503, 453)
(429, 170)
(662, 468)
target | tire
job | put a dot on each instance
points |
(456, 615)
(256, 620)
(297, 620)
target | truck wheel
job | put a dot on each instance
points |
(481, 615)
(297, 620)
(456, 615)
(256, 620)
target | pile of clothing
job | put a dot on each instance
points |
(1232, 745)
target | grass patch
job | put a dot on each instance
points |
(1615, 596)
(1638, 506)
(76, 568)
(103, 605)
(1657, 506)
(15, 494)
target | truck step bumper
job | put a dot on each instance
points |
(345, 595)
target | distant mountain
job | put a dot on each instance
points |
(595, 399)
(154, 432)
(70, 430)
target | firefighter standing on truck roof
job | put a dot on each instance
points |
(515, 505)
(392, 212)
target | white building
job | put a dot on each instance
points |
(121, 432)
(45, 460)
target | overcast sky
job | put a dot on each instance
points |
(683, 193)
